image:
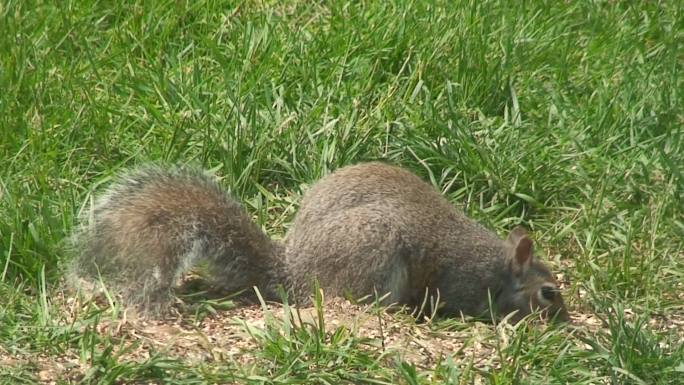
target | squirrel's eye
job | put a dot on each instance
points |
(548, 293)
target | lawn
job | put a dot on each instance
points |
(565, 117)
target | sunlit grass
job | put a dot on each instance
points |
(564, 116)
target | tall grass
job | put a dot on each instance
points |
(564, 116)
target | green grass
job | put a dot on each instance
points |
(565, 116)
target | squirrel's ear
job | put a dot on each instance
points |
(523, 248)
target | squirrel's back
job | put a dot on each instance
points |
(374, 226)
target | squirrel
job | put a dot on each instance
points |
(363, 229)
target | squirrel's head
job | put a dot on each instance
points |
(529, 285)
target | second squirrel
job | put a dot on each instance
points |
(364, 229)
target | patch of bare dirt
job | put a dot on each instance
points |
(224, 336)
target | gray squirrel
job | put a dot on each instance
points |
(363, 229)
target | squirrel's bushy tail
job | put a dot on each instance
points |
(154, 223)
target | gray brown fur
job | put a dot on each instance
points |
(363, 229)
(154, 224)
